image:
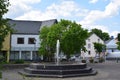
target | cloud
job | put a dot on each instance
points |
(36, 15)
(110, 10)
(102, 27)
(19, 7)
(93, 1)
(64, 9)
(67, 9)
(92, 17)
(114, 33)
(24, 10)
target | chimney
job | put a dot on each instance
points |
(112, 37)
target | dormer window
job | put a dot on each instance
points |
(98, 40)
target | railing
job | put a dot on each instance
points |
(24, 48)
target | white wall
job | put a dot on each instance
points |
(14, 41)
(93, 38)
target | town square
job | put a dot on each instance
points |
(59, 40)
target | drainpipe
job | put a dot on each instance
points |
(8, 56)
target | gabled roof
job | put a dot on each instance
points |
(95, 35)
(111, 44)
(30, 27)
(106, 42)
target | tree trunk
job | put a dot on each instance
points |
(68, 57)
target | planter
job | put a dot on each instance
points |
(83, 61)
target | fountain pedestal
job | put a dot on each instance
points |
(59, 71)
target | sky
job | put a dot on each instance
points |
(101, 14)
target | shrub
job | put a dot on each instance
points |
(101, 60)
(95, 61)
(0, 75)
(83, 61)
(91, 60)
(2, 59)
(19, 61)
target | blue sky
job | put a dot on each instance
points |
(101, 14)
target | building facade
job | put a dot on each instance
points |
(5, 52)
(91, 52)
(24, 46)
(25, 40)
(111, 48)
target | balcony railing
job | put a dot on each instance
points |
(24, 48)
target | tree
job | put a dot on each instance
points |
(118, 45)
(99, 48)
(73, 39)
(70, 34)
(43, 50)
(5, 28)
(118, 36)
(103, 35)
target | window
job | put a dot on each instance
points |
(25, 55)
(20, 40)
(89, 45)
(112, 50)
(89, 52)
(31, 41)
(14, 55)
(35, 55)
(98, 40)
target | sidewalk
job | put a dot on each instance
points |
(109, 70)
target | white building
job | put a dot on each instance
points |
(111, 48)
(91, 52)
(25, 40)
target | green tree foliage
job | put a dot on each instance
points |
(118, 36)
(5, 28)
(103, 35)
(118, 45)
(99, 47)
(70, 34)
(73, 39)
(43, 41)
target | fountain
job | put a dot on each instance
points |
(57, 70)
(57, 52)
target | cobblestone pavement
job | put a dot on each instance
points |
(106, 71)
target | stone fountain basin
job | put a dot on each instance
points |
(48, 66)
(61, 70)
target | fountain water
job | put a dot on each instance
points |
(57, 52)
